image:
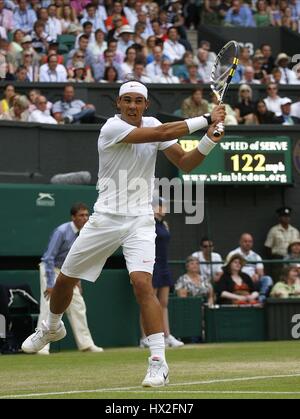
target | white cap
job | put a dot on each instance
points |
(133, 87)
(285, 101)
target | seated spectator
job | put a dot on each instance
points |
(194, 105)
(268, 59)
(145, 21)
(153, 69)
(27, 47)
(97, 49)
(172, 48)
(6, 17)
(166, 74)
(91, 16)
(111, 75)
(88, 31)
(158, 31)
(78, 6)
(53, 50)
(129, 61)
(69, 21)
(83, 48)
(294, 254)
(31, 67)
(262, 16)
(81, 74)
(260, 73)
(16, 44)
(40, 39)
(262, 115)
(287, 76)
(52, 71)
(244, 58)
(288, 21)
(19, 111)
(249, 76)
(70, 110)
(191, 284)
(24, 17)
(7, 102)
(125, 39)
(245, 107)
(273, 101)
(139, 73)
(235, 286)
(181, 70)
(239, 15)
(204, 65)
(41, 114)
(276, 76)
(210, 12)
(6, 59)
(210, 272)
(289, 285)
(230, 118)
(193, 75)
(148, 49)
(21, 74)
(253, 267)
(286, 118)
(117, 10)
(32, 97)
(53, 26)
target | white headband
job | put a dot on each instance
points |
(133, 87)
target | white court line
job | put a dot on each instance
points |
(137, 388)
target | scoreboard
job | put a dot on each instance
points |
(243, 160)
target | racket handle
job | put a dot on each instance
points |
(220, 129)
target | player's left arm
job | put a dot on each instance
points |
(188, 160)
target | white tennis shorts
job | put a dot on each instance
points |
(102, 235)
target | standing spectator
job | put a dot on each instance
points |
(7, 102)
(24, 17)
(71, 110)
(194, 105)
(235, 286)
(192, 284)
(286, 118)
(245, 107)
(52, 71)
(239, 15)
(41, 114)
(172, 48)
(6, 17)
(204, 65)
(210, 262)
(289, 284)
(254, 266)
(59, 245)
(162, 278)
(287, 76)
(263, 116)
(273, 101)
(279, 238)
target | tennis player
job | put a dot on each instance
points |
(123, 215)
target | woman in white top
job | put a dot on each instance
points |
(127, 66)
(69, 21)
(32, 68)
(15, 46)
(99, 46)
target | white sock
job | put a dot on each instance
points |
(53, 321)
(157, 345)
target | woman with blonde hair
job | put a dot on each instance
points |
(245, 107)
(19, 111)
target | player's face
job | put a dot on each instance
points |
(132, 107)
(80, 218)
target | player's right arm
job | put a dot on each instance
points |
(173, 130)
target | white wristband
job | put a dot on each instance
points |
(206, 145)
(194, 124)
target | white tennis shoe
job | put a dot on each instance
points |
(157, 373)
(173, 342)
(42, 336)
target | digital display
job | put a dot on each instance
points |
(243, 160)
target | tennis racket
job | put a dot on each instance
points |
(222, 73)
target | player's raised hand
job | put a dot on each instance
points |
(212, 129)
(218, 114)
